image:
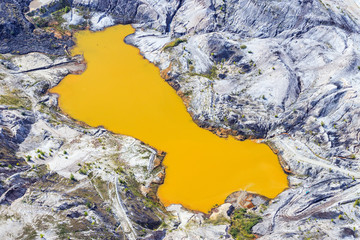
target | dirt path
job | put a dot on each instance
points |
(126, 224)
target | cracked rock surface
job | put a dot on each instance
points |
(285, 71)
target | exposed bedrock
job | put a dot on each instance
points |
(19, 36)
(285, 71)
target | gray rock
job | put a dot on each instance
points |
(17, 34)
(286, 71)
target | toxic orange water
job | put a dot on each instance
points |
(123, 92)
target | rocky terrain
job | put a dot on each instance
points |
(286, 71)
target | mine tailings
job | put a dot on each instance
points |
(124, 92)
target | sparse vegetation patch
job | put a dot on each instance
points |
(174, 43)
(242, 222)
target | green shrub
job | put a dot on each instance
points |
(243, 46)
(67, 9)
(41, 22)
(174, 43)
(83, 171)
(242, 223)
(119, 170)
(15, 101)
(188, 93)
(72, 178)
(211, 75)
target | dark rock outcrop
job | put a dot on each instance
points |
(18, 35)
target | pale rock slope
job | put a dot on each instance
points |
(286, 71)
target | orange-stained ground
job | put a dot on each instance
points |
(123, 92)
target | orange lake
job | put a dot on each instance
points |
(124, 92)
